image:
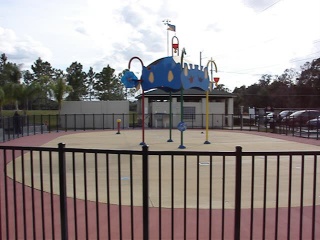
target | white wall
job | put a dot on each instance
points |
(161, 110)
(94, 114)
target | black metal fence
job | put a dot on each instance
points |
(38, 124)
(68, 193)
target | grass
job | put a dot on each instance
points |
(9, 113)
(37, 117)
(49, 118)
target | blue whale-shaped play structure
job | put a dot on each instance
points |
(168, 74)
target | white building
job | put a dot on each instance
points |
(157, 108)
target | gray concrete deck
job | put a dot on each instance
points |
(221, 140)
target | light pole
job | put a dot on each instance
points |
(201, 58)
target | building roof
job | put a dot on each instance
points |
(187, 92)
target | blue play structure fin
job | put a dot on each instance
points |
(129, 79)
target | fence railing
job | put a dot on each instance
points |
(69, 193)
(38, 124)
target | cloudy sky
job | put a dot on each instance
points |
(246, 38)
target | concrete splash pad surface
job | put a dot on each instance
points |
(157, 140)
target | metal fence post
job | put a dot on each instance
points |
(93, 124)
(145, 191)
(63, 193)
(75, 122)
(237, 210)
(58, 119)
(4, 130)
(41, 123)
(84, 122)
(66, 122)
(112, 121)
(103, 121)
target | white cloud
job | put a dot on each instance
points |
(246, 38)
(21, 50)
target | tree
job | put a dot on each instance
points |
(130, 94)
(310, 76)
(10, 76)
(27, 93)
(108, 86)
(57, 73)
(90, 81)
(41, 69)
(3, 61)
(240, 93)
(12, 93)
(27, 77)
(265, 80)
(308, 84)
(2, 99)
(222, 87)
(58, 89)
(76, 79)
(42, 74)
(278, 92)
(10, 73)
(288, 77)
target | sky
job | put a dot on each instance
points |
(245, 38)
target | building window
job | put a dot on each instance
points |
(189, 113)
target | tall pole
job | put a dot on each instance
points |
(181, 102)
(200, 60)
(165, 22)
(167, 42)
(207, 118)
(143, 112)
(207, 100)
(143, 116)
(170, 118)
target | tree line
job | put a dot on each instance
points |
(291, 90)
(44, 87)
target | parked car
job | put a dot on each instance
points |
(283, 114)
(273, 117)
(268, 117)
(314, 123)
(300, 118)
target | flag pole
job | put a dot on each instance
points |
(165, 22)
(167, 42)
